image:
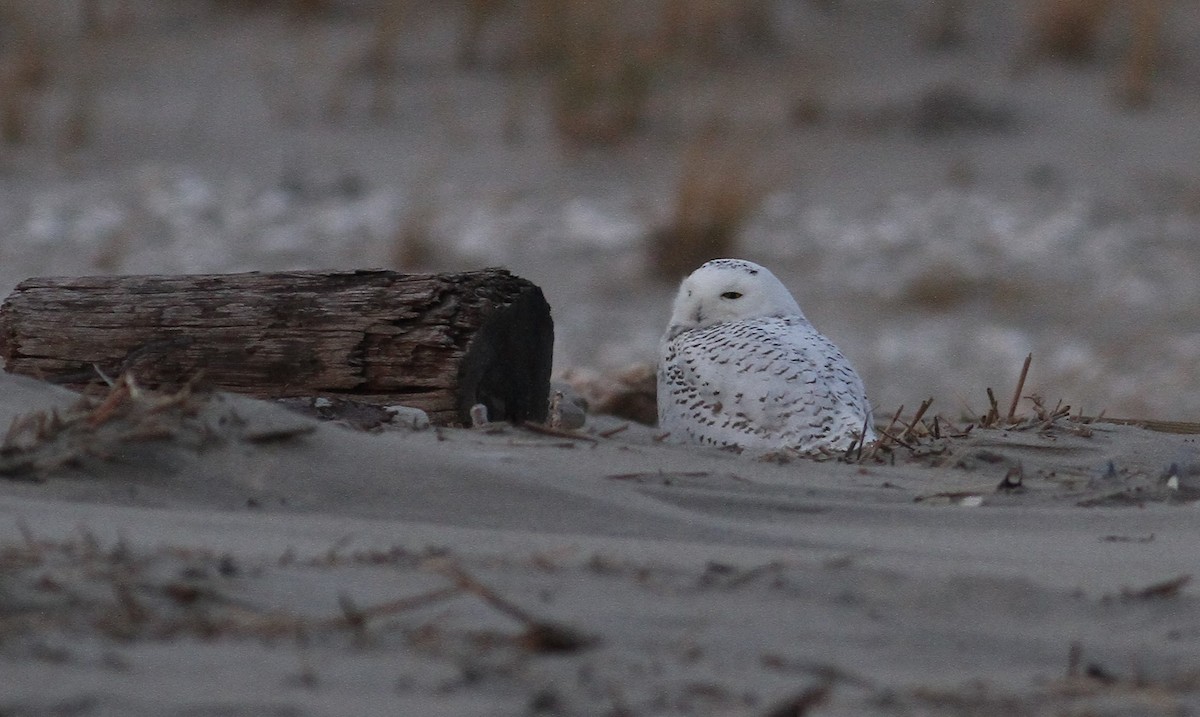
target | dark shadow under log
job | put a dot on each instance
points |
(439, 342)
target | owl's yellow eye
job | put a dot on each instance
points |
(731, 295)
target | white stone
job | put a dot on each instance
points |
(408, 417)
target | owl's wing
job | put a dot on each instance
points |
(768, 383)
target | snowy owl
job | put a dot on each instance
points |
(740, 366)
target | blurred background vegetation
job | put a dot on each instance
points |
(601, 58)
(708, 79)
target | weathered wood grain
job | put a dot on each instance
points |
(440, 342)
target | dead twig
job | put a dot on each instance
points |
(1074, 658)
(801, 703)
(613, 431)
(993, 414)
(108, 407)
(661, 475)
(1165, 589)
(1012, 407)
(862, 437)
(885, 433)
(895, 417)
(896, 440)
(539, 635)
(917, 418)
(557, 432)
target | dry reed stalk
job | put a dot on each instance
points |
(601, 80)
(381, 55)
(24, 71)
(885, 434)
(943, 27)
(545, 45)
(862, 437)
(1012, 407)
(296, 9)
(1067, 29)
(706, 29)
(993, 414)
(414, 246)
(478, 13)
(917, 417)
(1141, 58)
(117, 397)
(894, 439)
(716, 192)
(79, 125)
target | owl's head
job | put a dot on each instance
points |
(729, 290)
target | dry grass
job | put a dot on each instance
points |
(380, 62)
(600, 82)
(34, 56)
(80, 122)
(415, 247)
(1070, 30)
(478, 14)
(1135, 84)
(38, 443)
(301, 9)
(943, 25)
(601, 57)
(718, 188)
(926, 434)
(708, 29)
(25, 70)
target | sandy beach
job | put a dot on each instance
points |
(942, 189)
(284, 566)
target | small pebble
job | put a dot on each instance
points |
(408, 417)
(567, 408)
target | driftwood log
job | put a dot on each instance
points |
(439, 342)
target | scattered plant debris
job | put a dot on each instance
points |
(98, 429)
(1165, 589)
(540, 635)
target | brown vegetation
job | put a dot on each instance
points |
(717, 190)
(24, 71)
(601, 81)
(1070, 29)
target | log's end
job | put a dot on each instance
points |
(8, 339)
(508, 362)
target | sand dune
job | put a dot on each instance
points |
(258, 572)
